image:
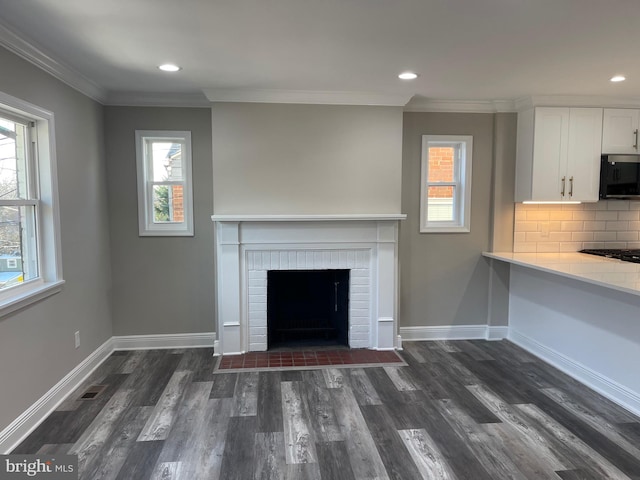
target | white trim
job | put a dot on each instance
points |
(308, 218)
(599, 101)
(146, 226)
(22, 426)
(497, 333)
(607, 387)
(153, 99)
(29, 420)
(307, 97)
(163, 341)
(421, 104)
(48, 235)
(28, 296)
(28, 50)
(310, 245)
(453, 332)
(461, 223)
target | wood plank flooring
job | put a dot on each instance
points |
(458, 410)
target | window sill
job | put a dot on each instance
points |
(445, 230)
(26, 298)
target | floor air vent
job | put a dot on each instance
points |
(92, 392)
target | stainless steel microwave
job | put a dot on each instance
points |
(620, 176)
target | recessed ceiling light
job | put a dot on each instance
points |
(169, 67)
(618, 78)
(408, 76)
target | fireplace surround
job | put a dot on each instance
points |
(249, 246)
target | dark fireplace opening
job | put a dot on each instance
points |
(307, 308)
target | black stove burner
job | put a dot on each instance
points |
(620, 254)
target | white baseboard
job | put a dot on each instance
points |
(497, 333)
(453, 332)
(22, 426)
(26, 423)
(615, 392)
(175, 340)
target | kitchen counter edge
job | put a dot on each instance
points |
(559, 263)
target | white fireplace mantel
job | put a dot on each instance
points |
(308, 218)
(248, 246)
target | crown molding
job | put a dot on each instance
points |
(460, 106)
(149, 99)
(599, 101)
(34, 54)
(307, 97)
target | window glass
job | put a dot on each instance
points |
(446, 183)
(30, 256)
(18, 207)
(164, 183)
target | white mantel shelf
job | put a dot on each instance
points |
(309, 218)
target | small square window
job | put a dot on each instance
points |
(446, 183)
(165, 200)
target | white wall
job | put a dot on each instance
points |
(591, 332)
(306, 159)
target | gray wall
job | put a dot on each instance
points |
(503, 207)
(37, 343)
(443, 277)
(306, 159)
(160, 284)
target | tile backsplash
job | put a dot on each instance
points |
(569, 228)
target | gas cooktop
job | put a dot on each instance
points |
(620, 254)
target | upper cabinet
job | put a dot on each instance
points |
(558, 154)
(620, 130)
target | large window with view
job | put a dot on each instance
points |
(165, 206)
(29, 250)
(446, 183)
(18, 194)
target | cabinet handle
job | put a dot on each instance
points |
(571, 187)
(635, 145)
(563, 182)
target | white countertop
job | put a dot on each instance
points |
(605, 272)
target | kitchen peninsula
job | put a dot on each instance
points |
(582, 314)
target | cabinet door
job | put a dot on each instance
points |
(583, 165)
(550, 149)
(620, 130)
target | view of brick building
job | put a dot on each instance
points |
(441, 169)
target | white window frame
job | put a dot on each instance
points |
(45, 182)
(462, 182)
(146, 225)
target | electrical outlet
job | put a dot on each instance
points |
(77, 337)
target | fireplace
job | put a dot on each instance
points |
(307, 308)
(250, 248)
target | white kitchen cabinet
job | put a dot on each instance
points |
(620, 130)
(558, 154)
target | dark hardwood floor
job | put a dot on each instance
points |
(460, 410)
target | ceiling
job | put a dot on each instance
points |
(464, 50)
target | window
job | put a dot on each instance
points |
(30, 266)
(165, 200)
(446, 183)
